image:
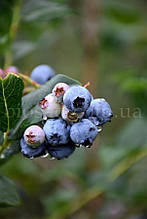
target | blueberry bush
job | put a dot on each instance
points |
(67, 68)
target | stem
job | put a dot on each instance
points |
(87, 84)
(126, 164)
(29, 80)
(28, 90)
(12, 32)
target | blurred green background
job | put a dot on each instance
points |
(103, 42)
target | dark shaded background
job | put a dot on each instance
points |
(105, 43)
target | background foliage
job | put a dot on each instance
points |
(108, 49)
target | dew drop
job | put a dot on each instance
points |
(44, 117)
(100, 128)
(88, 146)
(45, 155)
(52, 158)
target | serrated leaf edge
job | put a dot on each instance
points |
(5, 102)
(7, 113)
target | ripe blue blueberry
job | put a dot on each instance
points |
(49, 107)
(77, 99)
(70, 116)
(61, 151)
(83, 132)
(34, 136)
(59, 90)
(42, 73)
(30, 152)
(99, 111)
(56, 131)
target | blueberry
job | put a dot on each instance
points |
(49, 107)
(34, 136)
(59, 90)
(70, 116)
(13, 69)
(42, 73)
(61, 151)
(77, 99)
(30, 152)
(99, 111)
(56, 131)
(83, 132)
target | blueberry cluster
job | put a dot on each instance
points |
(71, 118)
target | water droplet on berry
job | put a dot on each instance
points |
(31, 158)
(88, 146)
(44, 117)
(45, 155)
(100, 128)
(52, 158)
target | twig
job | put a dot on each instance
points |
(29, 80)
(28, 90)
(5, 142)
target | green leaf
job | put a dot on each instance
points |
(5, 16)
(33, 98)
(43, 11)
(9, 151)
(8, 193)
(30, 104)
(32, 117)
(121, 12)
(11, 89)
(14, 148)
(127, 143)
(135, 84)
(133, 134)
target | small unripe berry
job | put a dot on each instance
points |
(34, 136)
(59, 90)
(49, 107)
